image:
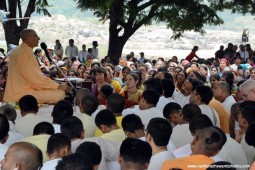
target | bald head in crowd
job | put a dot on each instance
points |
(208, 141)
(22, 156)
(247, 90)
(221, 91)
(80, 94)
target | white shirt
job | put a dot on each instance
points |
(82, 55)
(56, 128)
(158, 159)
(248, 150)
(232, 152)
(234, 67)
(244, 54)
(171, 147)
(163, 101)
(25, 125)
(228, 102)
(100, 107)
(71, 52)
(13, 138)
(110, 149)
(211, 113)
(181, 99)
(51, 164)
(95, 52)
(3, 150)
(186, 151)
(181, 135)
(133, 110)
(148, 114)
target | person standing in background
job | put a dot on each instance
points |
(95, 49)
(71, 50)
(82, 54)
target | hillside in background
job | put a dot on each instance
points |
(232, 22)
(68, 22)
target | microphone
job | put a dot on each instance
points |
(44, 47)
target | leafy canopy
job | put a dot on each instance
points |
(179, 15)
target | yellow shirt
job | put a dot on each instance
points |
(41, 142)
(115, 135)
(100, 133)
(196, 162)
(222, 113)
(116, 85)
(25, 77)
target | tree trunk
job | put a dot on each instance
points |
(115, 49)
(12, 32)
(11, 28)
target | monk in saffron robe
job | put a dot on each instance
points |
(25, 76)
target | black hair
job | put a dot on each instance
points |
(205, 93)
(37, 51)
(43, 128)
(107, 90)
(105, 117)
(249, 136)
(229, 76)
(61, 110)
(199, 122)
(217, 136)
(91, 151)
(194, 83)
(131, 123)
(216, 76)
(57, 142)
(90, 103)
(4, 127)
(171, 108)
(136, 151)
(99, 70)
(28, 103)
(162, 69)
(190, 110)
(116, 103)
(74, 162)
(72, 127)
(151, 97)
(247, 109)
(125, 68)
(153, 84)
(168, 87)
(160, 130)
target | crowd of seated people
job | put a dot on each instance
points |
(139, 114)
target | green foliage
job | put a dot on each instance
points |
(236, 6)
(41, 7)
(179, 15)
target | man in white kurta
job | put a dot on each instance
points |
(25, 76)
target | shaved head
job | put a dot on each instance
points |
(24, 34)
(25, 155)
(224, 86)
(80, 94)
(247, 90)
(208, 141)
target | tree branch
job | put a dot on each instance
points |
(20, 10)
(145, 5)
(3, 5)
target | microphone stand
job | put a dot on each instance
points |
(69, 82)
(44, 47)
